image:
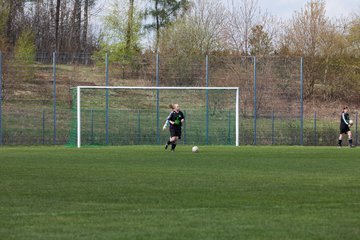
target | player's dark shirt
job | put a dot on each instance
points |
(344, 120)
(176, 117)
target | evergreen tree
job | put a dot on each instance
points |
(163, 13)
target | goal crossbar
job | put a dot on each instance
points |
(155, 88)
(78, 93)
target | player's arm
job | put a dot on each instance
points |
(167, 123)
(182, 118)
(170, 119)
(345, 118)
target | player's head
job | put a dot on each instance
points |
(176, 107)
(171, 106)
(345, 109)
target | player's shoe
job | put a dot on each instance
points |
(351, 146)
(172, 150)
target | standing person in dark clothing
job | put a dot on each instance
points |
(345, 127)
(176, 119)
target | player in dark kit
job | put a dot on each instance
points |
(176, 119)
(345, 126)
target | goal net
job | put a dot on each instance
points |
(136, 115)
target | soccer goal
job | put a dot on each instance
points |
(119, 115)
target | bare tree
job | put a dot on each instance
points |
(303, 36)
(129, 27)
(4, 11)
(243, 17)
(209, 18)
(354, 36)
(88, 5)
(75, 37)
(312, 35)
(190, 38)
(16, 9)
(306, 29)
(57, 18)
(200, 31)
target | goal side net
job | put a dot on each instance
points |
(136, 115)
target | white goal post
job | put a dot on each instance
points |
(78, 103)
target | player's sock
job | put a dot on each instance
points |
(350, 142)
(167, 144)
(173, 145)
(340, 141)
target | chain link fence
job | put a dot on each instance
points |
(36, 99)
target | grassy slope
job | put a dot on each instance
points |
(147, 193)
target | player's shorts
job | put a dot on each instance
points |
(175, 131)
(344, 129)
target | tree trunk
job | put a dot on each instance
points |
(52, 40)
(15, 7)
(57, 19)
(157, 26)
(63, 29)
(85, 27)
(75, 38)
(78, 25)
(129, 30)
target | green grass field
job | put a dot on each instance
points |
(143, 192)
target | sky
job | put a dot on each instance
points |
(284, 9)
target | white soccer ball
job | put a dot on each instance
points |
(195, 149)
(351, 122)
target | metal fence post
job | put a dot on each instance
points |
(254, 140)
(54, 93)
(138, 127)
(157, 100)
(43, 127)
(315, 133)
(1, 80)
(207, 99)
(107, 99)
(273, 128)
(356, 128)
(229, 128)
(185, 127)
(92, 126)
(301, 102)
